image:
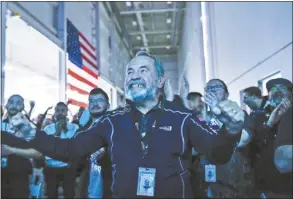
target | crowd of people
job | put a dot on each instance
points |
(160, 144)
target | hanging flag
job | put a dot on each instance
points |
(82, 69)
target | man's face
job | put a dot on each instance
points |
(97, 103)
(196, 104)
(250, 101)
(277, 93)
(216, 87)
(60, 112)
(141, 81)
(14, 105)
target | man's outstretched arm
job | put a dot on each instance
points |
(83, 144)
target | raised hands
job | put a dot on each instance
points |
(229, 113)
(168, 91)
(278, 112)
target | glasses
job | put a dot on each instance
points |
(99, 100)
(279, 87)
(214, 88)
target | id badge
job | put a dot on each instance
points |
(210, 173)
(4, 162)
(146, 181)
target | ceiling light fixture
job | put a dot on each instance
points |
(168, 36)
(138, 37)
(168, 47)
(128, 3)
(134, 23)
(169, 2)
(169, 20)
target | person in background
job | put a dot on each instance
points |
(269, 181)
(193, 102)
(283, 146)
(235, 178)
(56, 171)
(15, 155)
(41, 118)
(253, 98)
(90, 185)
(77, 116)
(144, 165)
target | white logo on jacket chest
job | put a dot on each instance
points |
(166, 128)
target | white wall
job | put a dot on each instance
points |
(190, 56)
(31, 67)
(41, 16)
(81, 15)
(245, 34)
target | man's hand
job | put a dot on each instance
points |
(20, 123)
(7, 150)
(278, 112)
(230, 114)
(32, 104)
(211, 99)
(184, 90)
(168, 91)
(49, 108)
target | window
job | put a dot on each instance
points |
(262, 83)
(32, 65)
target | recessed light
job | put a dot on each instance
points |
(138, 37)
(169, 2)
(169, 20)
(128, 3)
(134, 23)
(168, 36)
(168, 47)
(141, 48)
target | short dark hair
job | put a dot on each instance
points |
(96, 91)
(16, 95)
(193, 95)
(253, 91)
(224, 84)
(62, 104)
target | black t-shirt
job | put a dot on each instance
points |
(16, 164)
(284, 136)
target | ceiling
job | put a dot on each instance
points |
(151, 26)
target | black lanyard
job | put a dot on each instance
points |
(149, 132)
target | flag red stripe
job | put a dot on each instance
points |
(77, 103)
(85, 39)
(78, 77)
(90, 72)
(88, 51)
(74, 88)
(89, 61)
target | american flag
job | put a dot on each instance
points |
(82, 69)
